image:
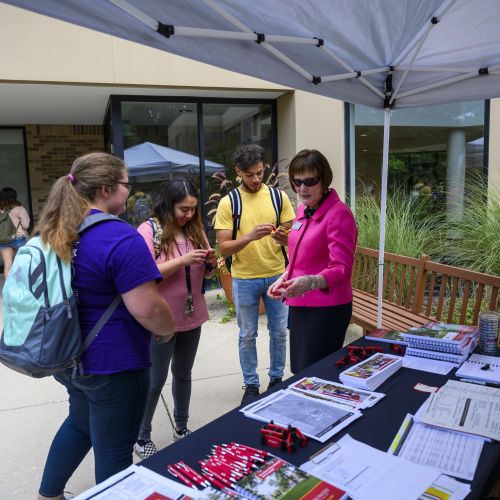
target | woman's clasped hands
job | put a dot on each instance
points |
(284, 287)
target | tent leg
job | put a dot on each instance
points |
(383, 208)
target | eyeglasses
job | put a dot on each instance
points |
(128, 185)
(309, 181)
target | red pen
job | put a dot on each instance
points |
(181, 476)
(191, 474)
(215, 482)
(223, 471)
(211, 470)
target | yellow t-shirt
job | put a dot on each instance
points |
(261, 258)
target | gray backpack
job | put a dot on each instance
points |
(41, 334)
(7, 228)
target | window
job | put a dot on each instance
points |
(165, 138)
(432, 149)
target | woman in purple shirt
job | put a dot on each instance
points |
(317, 282)
(176, 239)
(107, 403)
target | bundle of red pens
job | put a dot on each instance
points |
(223, 467)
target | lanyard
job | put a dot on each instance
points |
(294, 256)
(186, 268)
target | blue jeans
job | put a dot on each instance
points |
(246, 295)
(105, 413)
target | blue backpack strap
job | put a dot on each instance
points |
(90, 221)
(93, 219)
(277, 199)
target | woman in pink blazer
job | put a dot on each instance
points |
(317, 282)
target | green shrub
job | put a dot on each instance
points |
(409, 228)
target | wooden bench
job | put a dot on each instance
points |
(416, 291)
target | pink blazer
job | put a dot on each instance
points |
(324, 244)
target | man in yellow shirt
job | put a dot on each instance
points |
(257, 261)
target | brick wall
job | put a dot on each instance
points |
(51, 151)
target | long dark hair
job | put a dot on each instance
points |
(71, 197)
(172, 193)
(8, 199)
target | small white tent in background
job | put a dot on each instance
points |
(380, 53)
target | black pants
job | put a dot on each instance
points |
(316, 332)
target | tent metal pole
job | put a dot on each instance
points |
(449, 81)
(383, 209)
(433, 22)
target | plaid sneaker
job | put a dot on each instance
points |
(181, 434)
(145, 449)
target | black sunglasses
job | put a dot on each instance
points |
(309, 181)
(128, 185)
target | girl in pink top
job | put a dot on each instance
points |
(321, 246)
(20, 220)
(177, 241)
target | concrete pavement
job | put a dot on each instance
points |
(32, 410)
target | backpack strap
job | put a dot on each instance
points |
(236, 211)
(157, 235)
(93, 219)
(277, 199)
(88, 222)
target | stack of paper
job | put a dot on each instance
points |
(442, 341)
(458, 406)
(367, 473)
(371, 372)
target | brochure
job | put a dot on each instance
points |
(280, 479)
(338, 393)
(371, 372)
(315, 418)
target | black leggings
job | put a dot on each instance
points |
(316, 332)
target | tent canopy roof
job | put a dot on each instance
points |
(374, 52)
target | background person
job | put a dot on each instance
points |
(20, 223)
(185, 259)
(317, 282)
(257, 263)
(106, 404)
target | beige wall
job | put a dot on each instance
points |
(310, 121)
(494, 146)
(53, 51)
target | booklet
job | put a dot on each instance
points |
(280, 479)
(386, 335)
(371, 372)
(335, 392)
(482, 368)
(315, 418)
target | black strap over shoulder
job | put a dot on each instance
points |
(237, 209)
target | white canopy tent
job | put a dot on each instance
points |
(380, 53)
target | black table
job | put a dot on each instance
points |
(377, 427)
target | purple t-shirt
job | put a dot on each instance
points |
(112, 258)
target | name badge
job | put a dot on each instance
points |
(297, 225)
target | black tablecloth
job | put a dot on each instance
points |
(377, 427)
